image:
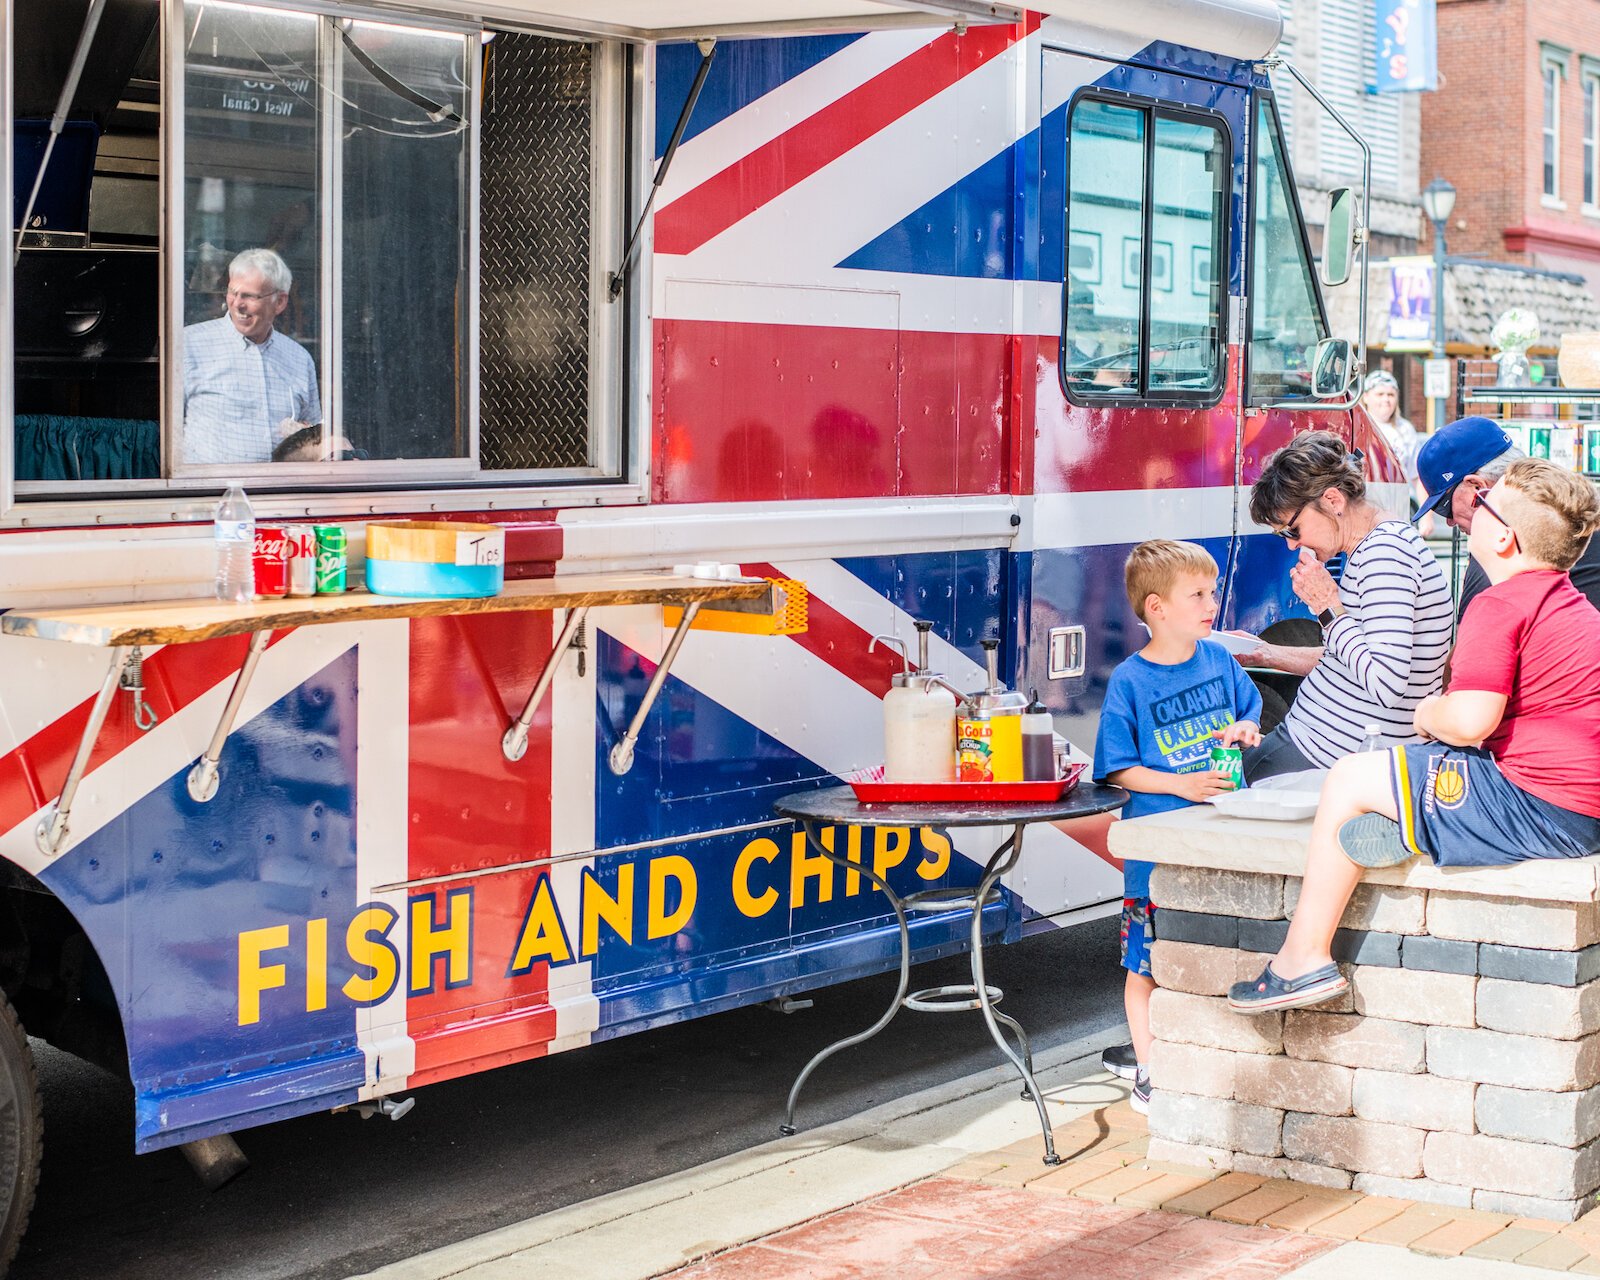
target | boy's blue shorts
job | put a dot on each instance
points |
(1138, 932)
(1458, 808)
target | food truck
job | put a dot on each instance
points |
(914, 309)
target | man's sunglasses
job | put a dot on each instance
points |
(1291, 531)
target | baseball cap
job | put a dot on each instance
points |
(1456, 449)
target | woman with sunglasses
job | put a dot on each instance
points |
(1386, 623)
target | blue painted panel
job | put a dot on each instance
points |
(1262, 594)
(742, 71)
(165, 890)
(962, 592)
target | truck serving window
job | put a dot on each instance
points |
(1286, 320)
(1145, 253)
(376, 272)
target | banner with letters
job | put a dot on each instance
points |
(1406, 46)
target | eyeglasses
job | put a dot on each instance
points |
(241, 296)
(1481, 499)
(1291, 531)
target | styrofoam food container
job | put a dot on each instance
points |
(1273, 805)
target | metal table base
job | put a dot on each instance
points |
(962, 998)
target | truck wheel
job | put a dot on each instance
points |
(21, 1133)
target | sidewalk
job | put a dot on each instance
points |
(950, 1183)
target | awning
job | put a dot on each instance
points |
(1233, 28)
(659, 20)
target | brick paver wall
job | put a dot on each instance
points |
(1461, 1068)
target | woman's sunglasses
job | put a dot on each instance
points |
(1291, 531)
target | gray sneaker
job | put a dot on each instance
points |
(1139, 1099)
(1121, 1061)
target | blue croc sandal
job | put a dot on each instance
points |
(1269, 992)
(1373, 841)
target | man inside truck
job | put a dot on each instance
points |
(246, 387)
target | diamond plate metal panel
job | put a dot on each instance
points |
(534, 308)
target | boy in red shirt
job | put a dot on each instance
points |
(1511, 756)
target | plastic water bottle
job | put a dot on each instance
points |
(234, 534)
(1374, 739)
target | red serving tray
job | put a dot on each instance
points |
(876, 791)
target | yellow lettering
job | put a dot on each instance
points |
(599, 905)
(255, 977)
(805, 865)
(543, 935)
(452, 940)
(316, 965)
(750, 904)
(671, 867)
(852, 853)
(890, 847)
(936, 847)
(366, 942)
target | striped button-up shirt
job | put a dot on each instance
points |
(236, 392)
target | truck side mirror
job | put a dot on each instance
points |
(1339, 237)
(1331, 369)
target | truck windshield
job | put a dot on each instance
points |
(1286, 314)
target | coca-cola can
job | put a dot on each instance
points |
(302, 559)
(271, 557)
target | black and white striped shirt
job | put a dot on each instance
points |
(1384, 655)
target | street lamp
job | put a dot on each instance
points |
(1438, 202)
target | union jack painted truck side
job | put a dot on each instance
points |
(853, 368)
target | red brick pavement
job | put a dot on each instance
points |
(954, 1228)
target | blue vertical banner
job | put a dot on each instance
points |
(1407, 44)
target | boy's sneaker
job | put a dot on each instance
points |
(1139, 1099)
(1121, 1061)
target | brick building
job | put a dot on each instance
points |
(1515, 126)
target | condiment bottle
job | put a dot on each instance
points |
(994, 714)
(1038, 742)
(919, 718)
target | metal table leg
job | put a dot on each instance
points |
(621, 757)
(51, 832)
(998, 866)
(203, 777)
(515, 742)
(814, 840)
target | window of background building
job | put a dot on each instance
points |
(1591, 137)
(1553, 68)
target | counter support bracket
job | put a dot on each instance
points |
(203, 777)
(51, 833)
(515, 741)
(621, 758)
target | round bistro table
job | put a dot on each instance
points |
(838, 807)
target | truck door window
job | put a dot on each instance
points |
(1146, 202)
(1100, 353)
(1286, 319)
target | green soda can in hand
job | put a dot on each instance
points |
(331, 559)
(1229, 761)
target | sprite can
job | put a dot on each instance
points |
(1229, 761)
(330, 559)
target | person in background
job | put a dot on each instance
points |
(1506, 768)
(246, 386)
(1380, 397)
(1458, 461)
(1386, 623)
(1165, 708)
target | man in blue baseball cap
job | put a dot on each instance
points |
(1456, 463)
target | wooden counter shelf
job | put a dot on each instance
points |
(125, 628)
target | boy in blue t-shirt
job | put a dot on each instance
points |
(1165, 708)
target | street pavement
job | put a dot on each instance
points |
(927, 1186)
